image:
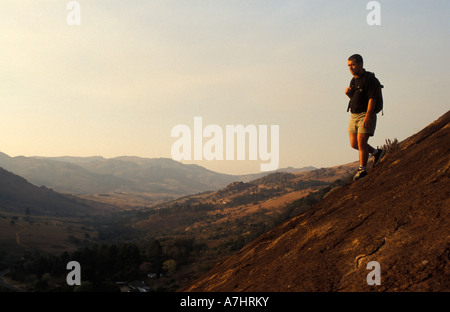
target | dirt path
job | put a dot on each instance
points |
(18, 239)
(3, 283)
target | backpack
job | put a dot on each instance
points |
(379, 102)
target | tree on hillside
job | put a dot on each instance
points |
(154, 254)
(170, 267)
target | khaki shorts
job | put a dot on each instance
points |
(355, 125)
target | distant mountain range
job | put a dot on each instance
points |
(94, 175)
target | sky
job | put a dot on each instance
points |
(132, 71)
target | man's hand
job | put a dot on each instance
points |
(348, 91)
(367, 121)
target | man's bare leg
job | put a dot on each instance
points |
(364, 148)
(354, 141)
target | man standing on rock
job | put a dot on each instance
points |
(364, 92)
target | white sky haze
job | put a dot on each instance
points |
(132, 70)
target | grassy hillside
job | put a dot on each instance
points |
(19, 196)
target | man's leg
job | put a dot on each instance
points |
(364, 148)
(354, 140)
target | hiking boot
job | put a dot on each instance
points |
(378, 156)
(360, 174)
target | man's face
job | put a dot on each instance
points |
(355, 68)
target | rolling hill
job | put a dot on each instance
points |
(199, 230)
(17, 195)
(226, 213)
(398, 216)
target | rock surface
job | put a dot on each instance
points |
(398, 216)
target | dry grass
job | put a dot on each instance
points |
(46, 234)
(391, 146)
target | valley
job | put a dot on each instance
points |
(193, 232)
(46, 234)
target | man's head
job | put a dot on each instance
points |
(355, 65)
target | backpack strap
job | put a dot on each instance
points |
(382, 110)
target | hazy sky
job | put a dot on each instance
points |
(118, 83)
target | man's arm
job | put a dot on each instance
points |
(349, 92)
(372, 92)
(369, 113)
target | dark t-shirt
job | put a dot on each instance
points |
(363, 88)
